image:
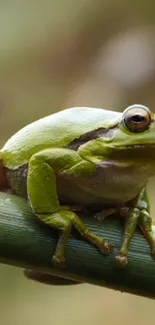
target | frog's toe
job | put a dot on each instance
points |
(121, 260)
(106, 248)
(58, 261)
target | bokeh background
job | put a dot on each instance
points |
(57, 54)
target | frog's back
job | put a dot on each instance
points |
(54, 131)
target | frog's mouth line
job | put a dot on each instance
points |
(135, 146)
(140, 146)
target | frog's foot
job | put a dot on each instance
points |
(59, 262)
(121, 260)
(106, 247)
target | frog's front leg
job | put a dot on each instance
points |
(132, 216)
(140, 215)
(42, 194)
(145, 221)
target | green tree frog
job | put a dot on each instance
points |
(85, 157)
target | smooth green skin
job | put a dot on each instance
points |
(119, 186)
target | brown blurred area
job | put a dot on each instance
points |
(54, 55)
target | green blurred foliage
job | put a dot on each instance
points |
(57, 54)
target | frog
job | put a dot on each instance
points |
(85, 158)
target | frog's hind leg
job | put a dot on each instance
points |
(42, 194)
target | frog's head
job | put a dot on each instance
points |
(134, 135)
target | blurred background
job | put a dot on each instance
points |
(57, 54)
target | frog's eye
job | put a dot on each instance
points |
(137, 118)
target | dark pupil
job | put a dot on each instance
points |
(138, 118)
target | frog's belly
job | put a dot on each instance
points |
(108, 186)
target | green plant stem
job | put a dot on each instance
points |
(27, 243)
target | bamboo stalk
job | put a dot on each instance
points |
(27, 243)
